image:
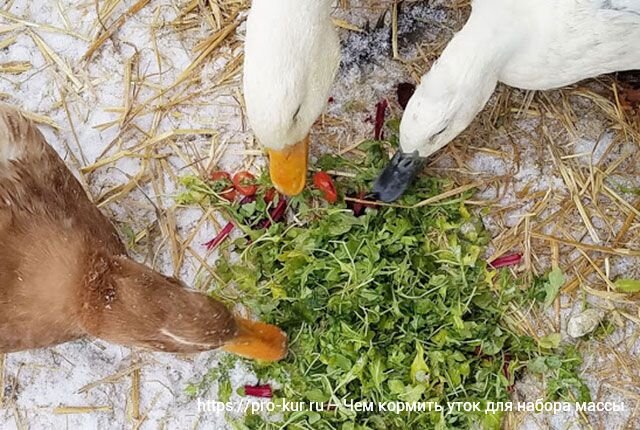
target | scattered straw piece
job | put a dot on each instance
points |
(70, 410)
(111, 379)
(107, 33)
(51, 56)
(589, 247)
(15, 67)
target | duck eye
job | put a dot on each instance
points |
(440, 132)
(295, 115)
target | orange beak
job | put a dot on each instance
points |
(288, 168)
(258, 341)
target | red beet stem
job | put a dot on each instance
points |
(381, 112)
(226, 231)
(358, 207)
(506, 261)
(258, 391)
(276, 213)
(248, 199)
(478, 351)
(220, 237)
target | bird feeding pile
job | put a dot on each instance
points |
(381, 303)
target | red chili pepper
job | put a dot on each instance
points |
(324, 183)
(244, 183)
(270, 195)
(506, 261)
(226, 185)
(263, 391)
(381, 112)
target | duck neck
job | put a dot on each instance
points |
(296, 13)
(127, 303)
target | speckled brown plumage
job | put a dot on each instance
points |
(64, 272)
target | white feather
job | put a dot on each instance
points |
(292, 53)
(529, 44)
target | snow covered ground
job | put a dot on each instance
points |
(144, 153)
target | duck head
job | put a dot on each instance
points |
(426, 126)
(443, 105)
(127, 303)
(292, 53)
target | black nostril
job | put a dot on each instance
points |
(371, 196)
(406, 163)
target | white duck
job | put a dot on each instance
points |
(528, 44)
(292, 52)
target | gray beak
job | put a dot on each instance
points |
(397, 176)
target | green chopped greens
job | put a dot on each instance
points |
(394, 305)
(630, 286)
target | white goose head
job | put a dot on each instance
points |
(292, 52)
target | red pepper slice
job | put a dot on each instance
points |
(270, 195)
(227, 191)
(244, 183)
(323, 182)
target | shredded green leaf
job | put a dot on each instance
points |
(395, 305)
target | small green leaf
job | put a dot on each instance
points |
(377, 373)
(317, 395)
(413, 394)
(191, 390)
(538, 365)
(556, 278)
(224, 389)
(550, 341)
(551, 288)
(396, 386)
(419, 370)
(492, 421)
(314, 417)
(627, 286)
(248, 209)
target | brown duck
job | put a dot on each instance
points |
(65, 274)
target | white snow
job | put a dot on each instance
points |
(37, 382)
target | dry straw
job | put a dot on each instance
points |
(585, 226)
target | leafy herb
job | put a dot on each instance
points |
(546, 289)
(627, 285)
(393, 305)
